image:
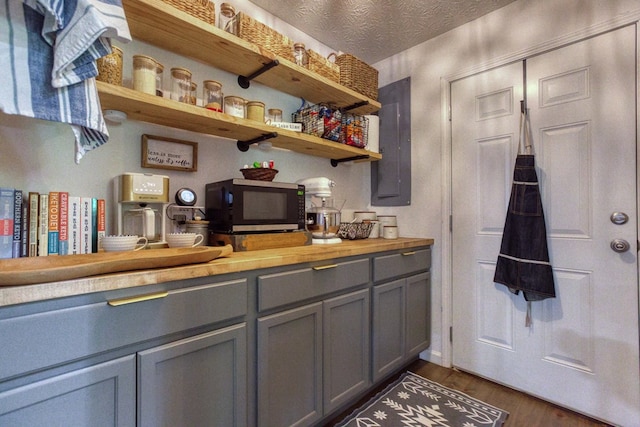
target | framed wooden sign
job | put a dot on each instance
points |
(166, 153)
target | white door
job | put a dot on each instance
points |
(582, 349)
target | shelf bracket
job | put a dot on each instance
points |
(336, 162)
(356, 105)
(244, 145)
(245, 82)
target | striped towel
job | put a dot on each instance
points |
(51, 46)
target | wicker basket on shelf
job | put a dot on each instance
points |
(323, 66)
(357, 75)
(259, 174)
(201, 9)
(264, 36)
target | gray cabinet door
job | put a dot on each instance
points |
(388, 327)
(346, 348)
(418, 314)
(100, 395)
(290, 367)
(198, 381)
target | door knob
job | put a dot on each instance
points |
(620, 245)
(619, 218)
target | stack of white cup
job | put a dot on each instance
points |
(388, 226)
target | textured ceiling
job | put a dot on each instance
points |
(377, 29)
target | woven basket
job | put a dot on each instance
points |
(357, 75)
(201, 9)
(264, 36)
(323, 66)
(259, 174)
(354, 230)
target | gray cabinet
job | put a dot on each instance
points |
(197, 381)
(99, 395)
(400, 307)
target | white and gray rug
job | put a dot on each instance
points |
(413, 401)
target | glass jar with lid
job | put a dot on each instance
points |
(144, 74)
(193, 95)
(181, 84)
(275, 114)
(226, 18)
(212, 95)
(300, 55)
(255, 111)
(110, 67)
(234, 106)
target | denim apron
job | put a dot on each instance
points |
(523, 263)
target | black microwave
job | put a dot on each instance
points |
(243, 206)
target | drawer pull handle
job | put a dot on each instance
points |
(325, 267)
(408, 253)
(139, 298)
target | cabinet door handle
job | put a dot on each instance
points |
(408, 253)
(325, 267)
(138, 298)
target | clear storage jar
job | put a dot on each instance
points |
(159, 79)
(110, 67)
(275, 114)
(234, 106)
(144, 74)
(255, 111)
(181, 85)
(212, 95)
(226, 18)
(300, 55)
(193, 96)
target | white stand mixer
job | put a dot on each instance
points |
(322, 221)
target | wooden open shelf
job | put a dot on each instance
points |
(162, 25)
(154, 109)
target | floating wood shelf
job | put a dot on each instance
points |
(162, 25)
(154, 109)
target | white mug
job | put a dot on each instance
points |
(184, 240)
(123, 243)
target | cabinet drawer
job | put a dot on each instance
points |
(407, 262)
(54, 337)
(275, 290)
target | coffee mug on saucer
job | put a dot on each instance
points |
(115, 243)
(184, 240)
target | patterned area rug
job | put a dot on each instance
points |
(413, 401)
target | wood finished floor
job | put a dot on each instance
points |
(524, 410)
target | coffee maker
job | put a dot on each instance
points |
(142, 201)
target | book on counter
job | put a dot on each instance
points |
(6, 222)
(17, 223)
(34, 210)
(63, 224)
(53, 221)
(86, 224)
(43, 225)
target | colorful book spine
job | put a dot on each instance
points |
(86, 217)
(34, 210)
(43, 225)
(24, 251)
(54, 222)
(94, 225)
(75, 227)
(63, 236)
(17, 223)
(6, 222)
(102, 221)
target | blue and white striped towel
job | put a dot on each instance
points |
(51, 46)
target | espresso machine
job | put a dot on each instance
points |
(142, 201)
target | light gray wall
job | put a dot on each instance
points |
(506, 33)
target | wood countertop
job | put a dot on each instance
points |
(236, 262)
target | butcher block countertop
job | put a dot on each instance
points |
(236, 262)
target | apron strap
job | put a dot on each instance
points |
(524, 142)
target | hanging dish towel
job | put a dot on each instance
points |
(523, 263)
(49, 48)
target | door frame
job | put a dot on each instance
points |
(632, 18)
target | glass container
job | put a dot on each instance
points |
(181, 85)
(300, 55)
(275, 114)
(193, 97)
(144, 74)
(255, 111)
(159, 79)
(212, 95)
(110, 67)
(226, 19)
(234, 106)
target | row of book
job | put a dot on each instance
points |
(54, 223)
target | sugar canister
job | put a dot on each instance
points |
(234, 106)
(212, 95)
(110, 67)
(144, 74)
(181, 84)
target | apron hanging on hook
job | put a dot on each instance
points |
(523, 263)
